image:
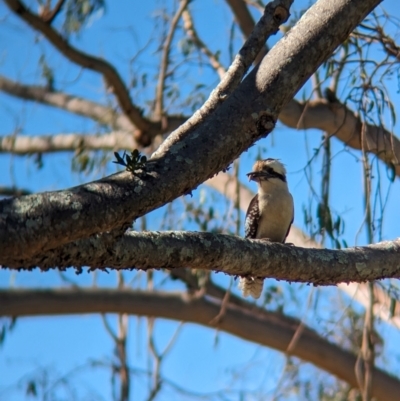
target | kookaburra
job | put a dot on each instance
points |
(270, 213)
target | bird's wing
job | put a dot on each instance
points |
(290, 225)
(252, 216)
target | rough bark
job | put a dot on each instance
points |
(192, 154)
(224, 253)
(269, 329)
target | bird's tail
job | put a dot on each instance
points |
(252, 286)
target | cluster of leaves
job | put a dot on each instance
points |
(78, 13)
(133, 162)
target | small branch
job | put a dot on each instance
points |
(246, 22)
(48, 16)
(192, 34)
(159, 100)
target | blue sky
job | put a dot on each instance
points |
(63, 344)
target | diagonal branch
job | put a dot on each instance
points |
(245, 22)
(110, 74)
(159, 100)
(48, 15)
(269, 329)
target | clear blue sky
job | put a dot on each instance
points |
(65, 345)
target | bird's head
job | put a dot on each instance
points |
(267, 170)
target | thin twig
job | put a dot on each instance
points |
(191, 32)
(159, 100)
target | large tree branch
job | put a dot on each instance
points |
(194, 152)
(224, 253)
(145, 128)
(269, 329)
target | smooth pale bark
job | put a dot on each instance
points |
(195, 152)
(268, 328)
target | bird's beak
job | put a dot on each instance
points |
(256, 175)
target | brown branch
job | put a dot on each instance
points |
(48, 16)
(192, 34)
(159, 100)
(99, 65)
(270, 329)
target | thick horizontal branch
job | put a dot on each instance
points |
(225, 253)
(110, 74)
(269, 329)
(193, 153)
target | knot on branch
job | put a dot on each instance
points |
(281, 14)
(265, 121)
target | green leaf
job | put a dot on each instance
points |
(118, 157)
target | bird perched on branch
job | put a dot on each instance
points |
(270, 213)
